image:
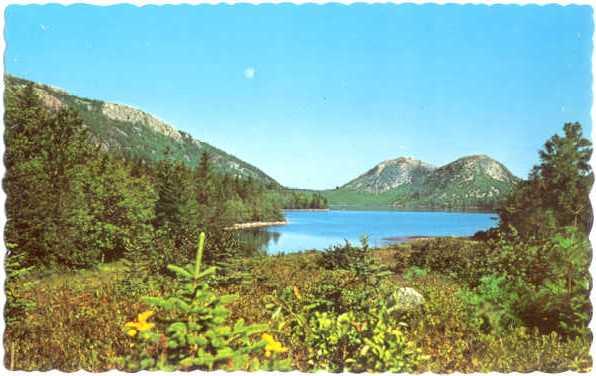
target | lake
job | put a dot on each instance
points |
(321, 229)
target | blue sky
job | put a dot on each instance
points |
(316, 95)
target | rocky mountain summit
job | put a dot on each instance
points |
(137, 133)
(391, 174)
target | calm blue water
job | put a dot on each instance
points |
(319, 230)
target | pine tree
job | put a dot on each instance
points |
(556, 193)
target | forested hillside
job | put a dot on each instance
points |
(137, 134)
(72, 202)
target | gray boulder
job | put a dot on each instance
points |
(406, 299)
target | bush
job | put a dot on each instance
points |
(552, 280)
(358, 260)
(529, 351)
(464, 260)
(193, 330)
(338, 327)
(545, 282)
(16, 280)
(491, 305)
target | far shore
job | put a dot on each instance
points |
(243, 226)
(307, 210)
(407, 239)
(416, 238)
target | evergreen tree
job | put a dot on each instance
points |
(556, 193)
(202, 179)
(176, 209)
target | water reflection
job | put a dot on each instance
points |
(257, 241)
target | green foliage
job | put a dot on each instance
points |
(17, 280)
(71, 204)
(365, 335)
(543, 282)
(193, 330)
(448, 332)
(465, 260)
(68, 205)
(552, 279)
(76, 321)
(348, 199)
(358, 260)
(304, 200)
(529, 351)
(516, 301)
(556, 193)
(129, 131)
(491, 305)
(415, 272)
(78, 317)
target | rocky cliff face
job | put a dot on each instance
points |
(128, 114)
(391, 174)
(137, 133)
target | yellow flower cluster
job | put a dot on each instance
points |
(272, 346)
(297, 293)
(140, 325)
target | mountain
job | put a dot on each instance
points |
(391, 174)
(137, 133)
(475, 182)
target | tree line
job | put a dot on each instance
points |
(305, 200)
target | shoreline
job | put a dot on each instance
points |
(408, 239)
(385, 208)
(307, 210)
(248, 225)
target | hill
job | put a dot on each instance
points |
(138, 134)
(475, 182)
(391, 174)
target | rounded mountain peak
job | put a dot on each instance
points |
(478, 164)
(391, 174)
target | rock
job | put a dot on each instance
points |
(129, 114)
(391, 174)
(406, 298)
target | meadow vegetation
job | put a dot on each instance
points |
(108, 266)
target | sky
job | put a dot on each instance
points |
(317, 95)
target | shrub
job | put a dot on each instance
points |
(545, 282)
(552, 280)
(358, 260)
(464, 260)
(193, 331)
(16, 280)
(527, 351)
(415, 272)
(491, 305)
(353, 332)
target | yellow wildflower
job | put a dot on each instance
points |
(142, 317)
(141, 324)
(297, 293)
(272, 346)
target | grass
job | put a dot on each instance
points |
(78, 318)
